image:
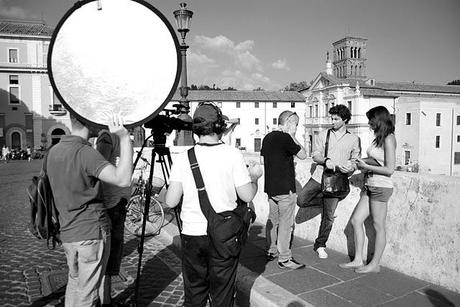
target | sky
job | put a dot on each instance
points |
(248, 44)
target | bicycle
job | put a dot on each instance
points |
(135, 206)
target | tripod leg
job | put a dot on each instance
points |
(140, 248)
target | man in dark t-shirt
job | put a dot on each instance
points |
(75, 171)
(277, 155)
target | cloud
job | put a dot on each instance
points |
(281, 64)
(13, 12)
(221, 61)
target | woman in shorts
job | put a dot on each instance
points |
(378, 187)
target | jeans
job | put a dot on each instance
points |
(206, 274)
(87, 262)
(280, 225)
(309, 195)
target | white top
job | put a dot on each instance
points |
(223, 169)
(377, 180)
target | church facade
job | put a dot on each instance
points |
(427, 117)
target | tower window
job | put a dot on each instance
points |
(12, 55)
(14, 79)
(408, 119)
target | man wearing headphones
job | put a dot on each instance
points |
(277, 154)
(207, 275)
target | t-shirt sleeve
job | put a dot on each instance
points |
(291, 147)
(92, 161)
(240, 171)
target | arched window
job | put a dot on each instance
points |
(15, 140)
(359, 53)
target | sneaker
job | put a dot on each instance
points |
(290, 264)
(271, 256)
(321, 251)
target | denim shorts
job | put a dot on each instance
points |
(378, 193)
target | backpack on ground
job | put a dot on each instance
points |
(44, 221)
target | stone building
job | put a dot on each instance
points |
(30, 113)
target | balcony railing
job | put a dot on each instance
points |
(57, 109)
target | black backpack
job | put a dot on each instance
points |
(44, 221)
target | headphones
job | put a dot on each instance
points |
(219, 125)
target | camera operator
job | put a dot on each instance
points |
(206, 274)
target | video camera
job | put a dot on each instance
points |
(162, 124)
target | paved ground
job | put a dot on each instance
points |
(32, 275)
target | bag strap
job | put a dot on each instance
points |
(205, 204)
(326, 147)
(45, 160)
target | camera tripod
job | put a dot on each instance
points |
(164, 157)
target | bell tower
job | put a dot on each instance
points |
(350, 58)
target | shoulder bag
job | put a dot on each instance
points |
(334, 183)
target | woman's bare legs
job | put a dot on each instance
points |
(358, 217)
(379, 214)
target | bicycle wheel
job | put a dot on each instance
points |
(135, 214)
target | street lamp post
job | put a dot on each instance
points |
(183, 16)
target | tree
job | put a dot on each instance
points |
(454, 82)
(258, 89)
(296, 86)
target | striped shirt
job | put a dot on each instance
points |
(342, 148)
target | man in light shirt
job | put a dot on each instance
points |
(343, 148)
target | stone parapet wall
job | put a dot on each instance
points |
(423, 224)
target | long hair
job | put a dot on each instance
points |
(382, 122)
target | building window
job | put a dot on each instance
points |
(438, 141)
(275, 121)
(13, 55)
(311, 110)
(326, 108)
(256, 121)
(238, 104)
(14, 95)
(275, 105)
(316, 110)
(408, 119)
(257, 144)
(14, 79)
(292, 104)
(438, 119)
(457, 158)
(237, 142)
(349, 105)
(458, 119)
(256, 104)
(406, 157)
(458, 138)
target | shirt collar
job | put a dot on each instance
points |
(74, 138)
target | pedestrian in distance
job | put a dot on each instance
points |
(75, 171)
(115, 201)
(377, 190)
(343, 148)
(279, 148)
(207, 274)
